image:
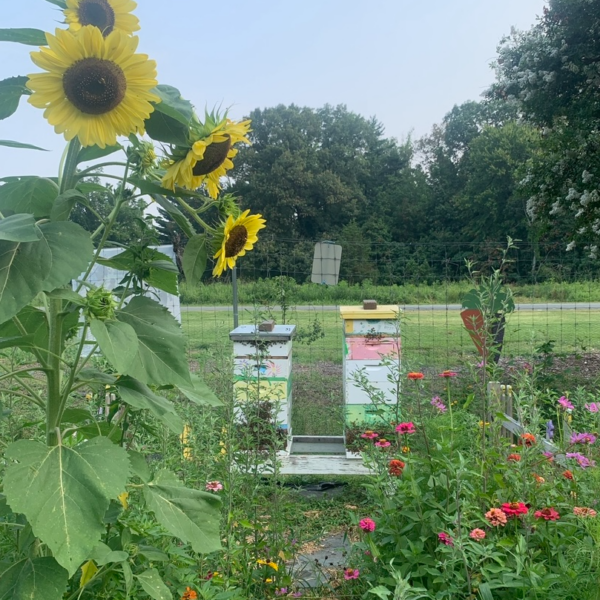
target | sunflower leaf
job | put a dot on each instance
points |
(11, 90)
(173, 105)
(63, 205)
(153, 585)
(164, 128)
(118, 342)
(31, 37)
(12, 144)
(65, 492)
(194, 258)
(59, 3)
(93, 152)
(19, 228)
(33, 578)
(33, 195)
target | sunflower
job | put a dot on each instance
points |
(106, 15)
(95, 88)
(239, 235)
(209, 157)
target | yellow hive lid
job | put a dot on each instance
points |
(384, 311)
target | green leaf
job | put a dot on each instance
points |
(194, 258)
(75, 415)
(86, 187)
(72, 250)
(19, 228)
(199, 393)
(173, 105)
(69, 295)
(153, 585)
(138, 395)
(118, 342)
(90, 153)
(64, 203)
(23, 269)
(11, 90)
(31, 37)
(33, 578)
(91, 375)
(12, 144)
(485, 592)
(161, 355)
(174, 212)
(103, 555)
(65, 492)
(163, 128)
(128, 577)
(33, 195)
(152, 553)
(139, 465)
(191, 515)
(151, 188)
(60, 3)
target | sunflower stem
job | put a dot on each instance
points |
(192, 212)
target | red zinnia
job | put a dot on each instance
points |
(514, 457)
(548, 514)
(395, 467)
(568, 474)
(514, 509)
(415, 375)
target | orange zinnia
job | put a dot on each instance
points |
(189, 594)
(415, 375)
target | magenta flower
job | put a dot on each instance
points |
(582, 460)
(593, 407)
(436, 402)
(582, 438)
(369, 435)
(406, 428)
(444, 538)
(281, 591)
(351, 574)
(565, 403)
(214, 486)
(367, 525)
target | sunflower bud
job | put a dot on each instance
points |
(100, 304)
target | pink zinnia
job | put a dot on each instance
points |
(436, 402)
(514, 509)
(406, 428)
(584, 511)
(564, 402)
(369, 435)
(477, 534)
(593, 407)
(382, 443)
(496, 517)
(448, 374)
(548, 514)
(367, 524)
(445, 539)
(351, 574)
(214, 486)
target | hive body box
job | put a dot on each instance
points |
(369, 335)
(263, 368)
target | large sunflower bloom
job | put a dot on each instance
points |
(106, 15)
(239, 236)
(96, 88)
(209, 157)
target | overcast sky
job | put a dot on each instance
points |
(404, 62)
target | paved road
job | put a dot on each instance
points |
(411, 307)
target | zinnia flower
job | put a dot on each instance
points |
(496, 517)
(514, 509)
(565, 403)
(405, 449)
(549, 456)
(538, 478)
(214, 486)
(396, 467)
(95, 88)
(568, 474)
(477, 534)
(367, 525)
(448, 374)
(548, 514)
(514, 457)
(189, 594)
(106, 15)
(369, 435)
(239, 236)
(445, 539)
(351, 574)
(406, 428)
(583, 511)
(415, 375)
(582, 438)
(593, 407)
(528, 439)
(382, 443)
